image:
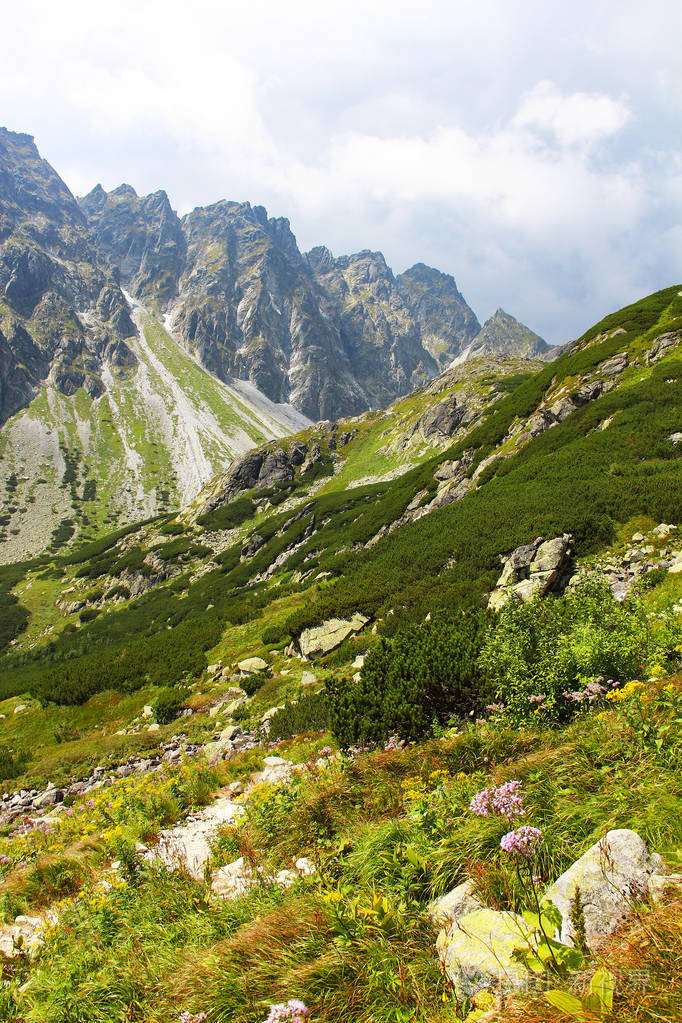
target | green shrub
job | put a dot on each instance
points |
(549, 647)
(309, 714)
(172, 528)
(12, 763)
(425, 675)
(88, 614)
(252, 683)
(167, 705)
(228, 516)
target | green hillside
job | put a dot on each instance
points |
(391, 530)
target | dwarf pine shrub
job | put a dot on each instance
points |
(425, 675)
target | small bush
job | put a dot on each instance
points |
(309, 714)
(541, 650)
(273, 634)
(424, 676)
(167, 705)
(12, 764)
(252, 683)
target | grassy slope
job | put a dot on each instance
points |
(156, 945)
(572, 478)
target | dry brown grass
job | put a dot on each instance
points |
(645, 958)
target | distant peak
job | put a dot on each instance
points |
(125, 189)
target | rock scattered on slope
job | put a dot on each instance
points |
(533, 570)
(326, 637)
(612, 876)
(476, 945)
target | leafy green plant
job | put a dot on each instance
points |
(597, 1004)
(252, 683)
(549, 657)
(167, 704)
(310, 713)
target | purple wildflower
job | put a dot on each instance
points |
(521, 842)
(292, 1011)
(504, 801)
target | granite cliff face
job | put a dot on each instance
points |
(332, 336)
(62, 314)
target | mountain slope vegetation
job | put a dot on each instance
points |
(304, 657)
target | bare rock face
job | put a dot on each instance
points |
(533, 570)
(663, 345)
(502, 334)
(443, 419)
(332, 336)
(326, 637)
(64, 315)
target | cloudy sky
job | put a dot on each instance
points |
(532, 149)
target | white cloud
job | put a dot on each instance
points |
(578, 117)
(529, 148)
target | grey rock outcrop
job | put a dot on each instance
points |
(323, 638)
(533, 570)
(612, 876)
(663, 345)
(443, 419)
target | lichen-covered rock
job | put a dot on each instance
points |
(320, 640)
(252, 665)
(477, 952)
(613, 875)
(454, 904)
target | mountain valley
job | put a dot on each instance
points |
(340, 635)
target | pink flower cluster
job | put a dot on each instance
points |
(40, 827)
(591, 692)
(537, 698)
(187, 1017)
(521, 842)
(292, 1011)
(504, 801)
(394, 743)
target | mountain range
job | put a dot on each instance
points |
(140, 352)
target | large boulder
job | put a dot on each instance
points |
(252, 665)
(454, 904)
(477, 952)
(326, 637)
(533, 570)
(442, 420)
(612, 876)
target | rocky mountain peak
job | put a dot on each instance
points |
(502, 334)
(61, 311)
